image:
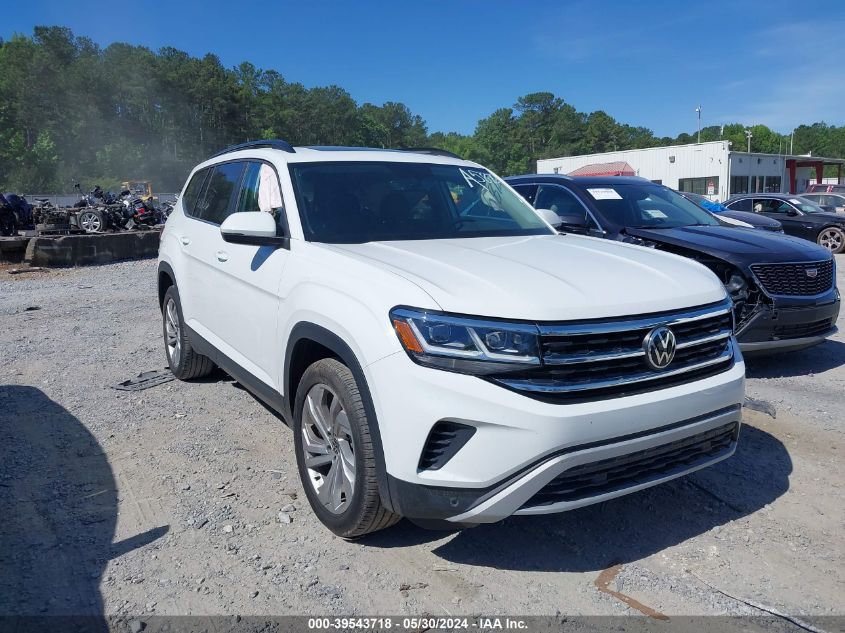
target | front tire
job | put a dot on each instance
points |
(334, 452)
(832, 238)
(184, 362)
(91, 221)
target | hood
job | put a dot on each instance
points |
(740, 248)
(546, 277)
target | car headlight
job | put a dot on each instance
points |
(465, 344)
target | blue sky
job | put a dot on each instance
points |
(779, 62)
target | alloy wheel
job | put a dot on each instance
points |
(90, 222)
(173, 333)
(328, 448)
(831, 239)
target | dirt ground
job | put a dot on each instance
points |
(166, 501)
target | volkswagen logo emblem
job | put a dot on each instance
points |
(659, 346)
(812, 273)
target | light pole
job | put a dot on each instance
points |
(698, 111)
(748, 135)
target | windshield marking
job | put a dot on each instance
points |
(604, 193)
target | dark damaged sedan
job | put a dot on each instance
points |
(783, 288)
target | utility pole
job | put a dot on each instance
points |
(791, 138)
(698, 111)
(748, 135)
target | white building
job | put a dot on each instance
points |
(712, 169)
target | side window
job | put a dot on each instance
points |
(260, 190)
(558, 200)
(770, 205)
(563, 202)
(529, 192)
(740, 205)
(192, 191)
(217, 203)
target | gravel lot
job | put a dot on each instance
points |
(167, 501)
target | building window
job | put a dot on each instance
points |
(739, 184)
(757, 184)
(702, 186)
(772, 184)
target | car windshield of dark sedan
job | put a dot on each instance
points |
(806, 206)
(356, 202)
(648, 206)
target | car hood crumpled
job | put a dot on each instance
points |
(740, 247)
(544, 278)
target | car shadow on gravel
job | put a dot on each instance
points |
(58, 507)
(624, 529)
(814, 360)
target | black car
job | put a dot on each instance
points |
(783, 288)
(755, 220)
(800, 217)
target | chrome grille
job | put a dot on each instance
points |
(795, 279)
(604, 358)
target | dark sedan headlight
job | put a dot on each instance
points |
(466, 344)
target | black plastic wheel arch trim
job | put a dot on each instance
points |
(328, 339)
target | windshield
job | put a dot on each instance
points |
(355, 202)
(807, 206)
(648, 206)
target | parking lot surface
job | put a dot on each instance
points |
(168, 500)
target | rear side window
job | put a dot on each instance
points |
(192, 191)
(740, 205)
(217, 203)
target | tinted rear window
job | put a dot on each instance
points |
(217, 205)
(192, 191)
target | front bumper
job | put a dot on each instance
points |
(521, 444)
(788, 326)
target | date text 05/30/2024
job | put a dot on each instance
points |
(419, 623)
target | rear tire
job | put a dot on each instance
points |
(335, 454)
(184, 362)
(832, 238)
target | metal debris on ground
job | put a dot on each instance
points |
(20, 271)
(762, 406)
(145, 380)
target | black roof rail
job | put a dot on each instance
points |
(272, 143)
(434, 151)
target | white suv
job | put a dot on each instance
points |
(439, 350)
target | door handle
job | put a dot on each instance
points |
(222, 256)
(185, 240)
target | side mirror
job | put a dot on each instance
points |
(574, 221)
(791, 212)
(549, 216)
(256, 228)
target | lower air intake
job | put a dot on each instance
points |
(443, 443)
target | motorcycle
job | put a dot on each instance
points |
(145, 214)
